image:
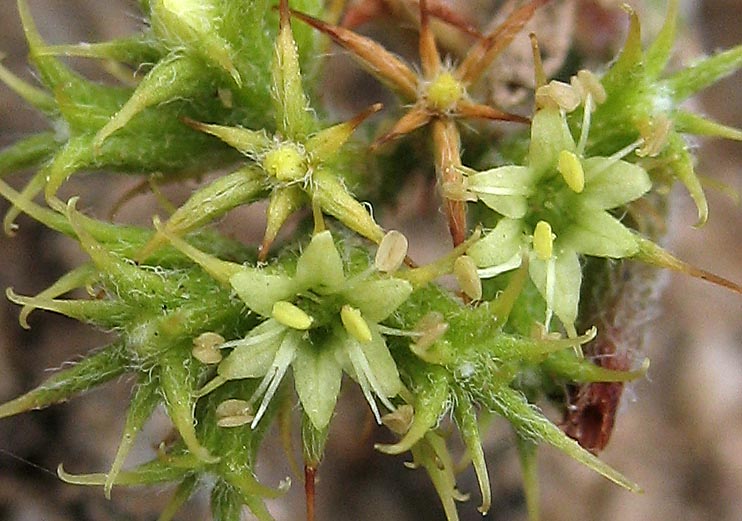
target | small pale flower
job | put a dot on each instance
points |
(319, 323)
(554, 210)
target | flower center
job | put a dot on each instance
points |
(285, 163)
(444, 91)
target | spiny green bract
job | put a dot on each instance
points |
(211, 329)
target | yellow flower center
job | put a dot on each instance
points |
(285, 163)
(444, 92)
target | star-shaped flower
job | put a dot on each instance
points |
(319, 322)
(437, 96)
(554, 210)
(298, 164)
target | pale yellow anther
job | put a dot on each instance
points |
(399, 420)
(291, 316)
(391, 252)
(466, 274)
(355, 324)
(444, 92)
(285, 163)
(457, 191)
(655, 133)
(543, 240)
(588, 83)
(570, 167)
(233, 413)
(558, 94)
(431, 327)
(206, 348)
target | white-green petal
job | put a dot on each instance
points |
(377, 298)
(261, 290)
(599, 234)
(290, 345)
(503, 189)
(253, 355)
(549, 136)
(513, 206)
(317, 377)
(382, 364)
(567, 281)
(320, 267)
(500, 245)
(610, 183)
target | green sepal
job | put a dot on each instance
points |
(159, 470)
(176, 77)
(132, 50)
(690, 123)
(106, 314)
(193, 24)
(95, 369)
(177, 387)
(580, 370)
(330, 194)
(466, 420)
(226, 503)
(693, 79)
(532, 425)
(313, 441)
(431, 398)
(182, 493)
(28, 152)
(294, 121)
(145, 398)
(34, 96)
(209, 203)
(527, 456)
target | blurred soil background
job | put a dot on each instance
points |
(679, 432)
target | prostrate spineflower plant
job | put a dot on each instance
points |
(228, 340)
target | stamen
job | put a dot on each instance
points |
(466, 274)
(543, 241)
(391, 252)
(558, 94)
(493, 271)
(570, 167)
(291, 316)
(355, 324)
(233, 413)
(206, 348)
(550, 287)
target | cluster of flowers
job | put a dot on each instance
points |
(211, 328)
